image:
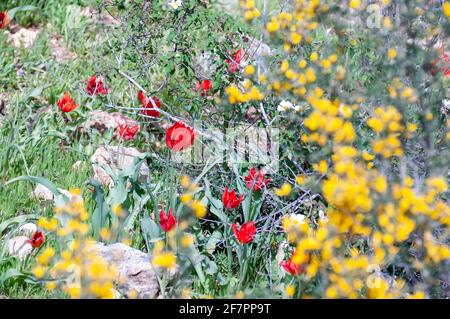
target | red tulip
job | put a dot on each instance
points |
(4, 21)
(442, 63)
(127, 132)
(292, 268)
(179, 136)
(148, 108)
(229, 199)
(37, 240)
(66, 104)
(246, 233)
(234, 64)
(256, 179)
(205, 86)
(95, 87)
(168, 221)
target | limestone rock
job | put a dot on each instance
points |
(117, 158)
(43, 193)
(136, 273)
(27, 229)
(103, 121)
(22, 37)
(19, 246)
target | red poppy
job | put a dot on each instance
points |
(205, 86)
(235, 63)
(67, 104)
(4, 21)
(149, 108)
(256, 179)
(229, 199)
(127, 132)
(168, 221)
(246, 233)
(95, 87)
(442, 63)
(292, 268)
(37, 240)
(179, 136)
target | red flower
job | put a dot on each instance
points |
(4, 21)
(95, 87)
(235, 63)
(37, 240)
(229, 199)
(148, 108)
(127, 132)
(442, 63)
(205, 86)
(179, 136)
(167, 221)
(292, 268)
(66, 104)
(256, 178)
(246, 233)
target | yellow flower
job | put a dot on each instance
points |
(272, 26)
(314, 56)
(284, 191)
(45, 257)
(296, 38)
(411, 127)
(39, 271)
(51, 285)
(392, 53)
(187, 240)
(290, 290)
(199, 209)
(321, 167)
(302, 64)
(355, 4)
(300, 179)
(250, 70)
(446, 8)
(166, 260)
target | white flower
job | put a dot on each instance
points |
(297, 219)
(284, 106)
(175, 4)
(322, 216)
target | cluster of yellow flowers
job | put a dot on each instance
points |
(77, 269)
(250, 10)
(187, 198)
(372, 217)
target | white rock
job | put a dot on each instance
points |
(23, 37)
(19, 246)
(136, 274)
(27, 229)
(118, 158)
(43, 193)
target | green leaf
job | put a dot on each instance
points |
(101, 212)
(13, 11)
(16, 220)
(213, 240)
(44, 182)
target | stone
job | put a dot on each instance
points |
(103, 121)
(22, 37)
(117, 158)
(19, 246)
(27, 229)
(43, 193)
(59, 50)
(137, 277)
